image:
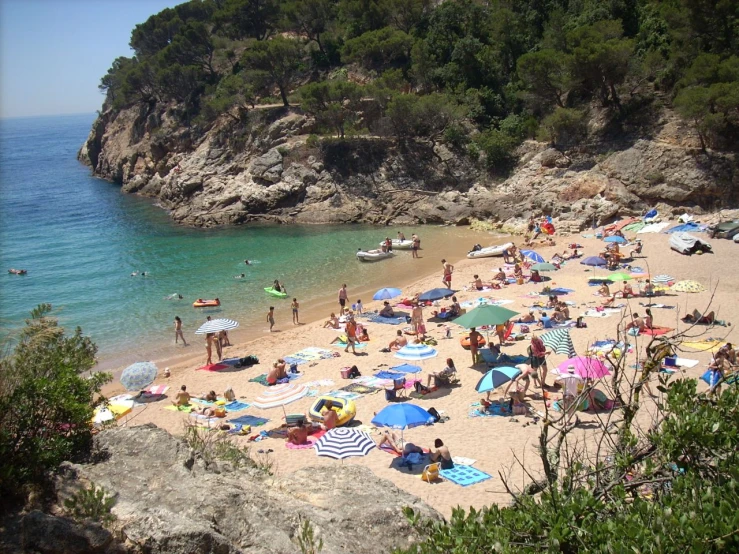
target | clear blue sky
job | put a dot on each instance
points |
(53, 52)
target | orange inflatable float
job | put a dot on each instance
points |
(200, 303)
(465, 342)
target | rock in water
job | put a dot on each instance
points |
(168, 501)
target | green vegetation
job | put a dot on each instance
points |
(46, 401)
(482, 61)
(92, 503)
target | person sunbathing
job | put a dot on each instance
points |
(442, 455)
(209, 397)
(391, 439)
(455, 309)
(517, 271)
(182, 398)
(604, 290)
(697, 317)
(206, 411)
(649, 320)
(609, 302)
(559, 314)
(387, 310)
(528, 318)
(535, 277)
(477, 282)
(399, 342)
(332, 322)
(648, 288)
(636, 323)
(638, 248)
(445, 373)
(330, 418)
(627, 291)
(500, 276)
(277, 372)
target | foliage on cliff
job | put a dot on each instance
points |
(496, 70)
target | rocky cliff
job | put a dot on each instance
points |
(167, 500)
(269, 168)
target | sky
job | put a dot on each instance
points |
(54, 52)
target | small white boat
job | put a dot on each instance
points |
(400, 244)
(490, 251)
(373, 255)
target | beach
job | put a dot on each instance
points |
(496, 442)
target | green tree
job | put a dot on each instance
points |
(280, 58)
(311, 18)
(335, 104)
(242, 19)
(46, 400)
(425, 117)
(233, 96)
(545, 75)
(498, 148)
(563, 127)
(193, 46)
(407, 15)
(360, 16)
(378, 49)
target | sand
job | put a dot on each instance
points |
(494, 442)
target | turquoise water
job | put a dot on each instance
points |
(80, 239)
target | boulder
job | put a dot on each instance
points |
(268, 167)
(46, 534)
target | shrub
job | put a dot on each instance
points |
(498, 148)
(563, 127)
(91, 503)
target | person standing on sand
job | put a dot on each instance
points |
(343, 295)
(474, 342)
(416, 317)
(448, 270)
(209, 348)
(178, 330)
(401, 236)
(295, 307)
(271, 318)
(351, 334)
(416, 245)
(538, 353)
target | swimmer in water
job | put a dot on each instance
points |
(134, 274)
(143, 273)
(239, 276)
(246, 262)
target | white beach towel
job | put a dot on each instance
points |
(462, 461)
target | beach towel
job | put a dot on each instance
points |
(685, 362)
(652, 228)
(312, 439)
(360, 388)
(184, 409)
(495, 409)
(464, 475)
(656, 331)
(462, 461)
(254, 421)
(634, 227)
(665, 306)
(389, 375)
(346, 395)
(203, 418)
(377, 318)
(236, 406)
(157, 390)
(690, 227)
(357, 345)
(213, 367)
(707, 345)
(261, 379)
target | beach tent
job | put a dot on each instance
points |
(688, 244)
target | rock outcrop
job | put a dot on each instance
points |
(168, 501)
(267, 169)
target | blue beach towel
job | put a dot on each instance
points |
(236, 406)
(254, 421)
(376, 318)
(389, 375)
(464, 475)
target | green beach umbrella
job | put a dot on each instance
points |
(544, 266)
(619, 277)
(485, 315)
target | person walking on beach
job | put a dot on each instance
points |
(178, 330)
(209, 348)
(416, 245)
(538, 353)
(271, 318)
(448, 270)
(351, 334)
(295, 307)
(343, 295)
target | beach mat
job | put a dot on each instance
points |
(464, 476)
(376, 318)
(183, 409)
(360, 388)
(261, 379)
(237, 406)
(346, 395)
(254, 421)
(213, 367)
(389, 375)
(495, 409)
(656, 331)
(312, 439)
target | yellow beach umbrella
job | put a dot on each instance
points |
(688, 286)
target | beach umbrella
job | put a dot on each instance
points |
(402, 416)
(594, 261)
(688, 286)
(416, 352)
(216, 326)
(485, 315)
(386, 294)
(406, 368)
(615, 277)
(280, 395)
(585, 367)
(343, 442)
(663, 279)
(560, 341)
(544, 266)
(533, 256)
(615, 238)
(436, 294)
(639, 275)
(496, 377)
(138, 376)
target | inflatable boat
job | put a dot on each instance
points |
(373, 255)
(273, 292)
(345, 409)
(400, 244)
(490, 251)
(200, 303)
(465, 342)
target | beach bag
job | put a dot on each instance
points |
(229, 394)
(293, 368)
(345, 371)
(435, 414)
(390, 394)
(354, 372)
(421, 328)
(525, 329)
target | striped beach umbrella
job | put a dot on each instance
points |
(560, 341)
(416, 352)
(533, 256)
(138, 376)
(496, 377)
(280, 395)
(663, 279)
(216, 326)
(688, 286)
(343, 442)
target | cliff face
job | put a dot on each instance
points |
(268, 169)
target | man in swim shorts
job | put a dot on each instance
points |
(416, 245)
(343, 295)
(271, 317)
(447, 278)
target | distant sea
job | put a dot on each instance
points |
(80, 239)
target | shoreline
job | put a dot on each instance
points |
(318, 311)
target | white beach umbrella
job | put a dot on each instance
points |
(342, 442)
(216, 326)
(279, 395)
(415, 352)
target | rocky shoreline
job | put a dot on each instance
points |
(272, 169)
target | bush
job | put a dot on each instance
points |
(564, 127)
(91, 503)
(46, 403)
(498, 148)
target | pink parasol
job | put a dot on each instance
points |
(585, 367)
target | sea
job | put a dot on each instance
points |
(81, 239)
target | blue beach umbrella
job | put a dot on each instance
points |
(402, 416)
(534, 256)
(615, 238)
(406, 368)
(496, 377)
(594, 261)
(436, 294)
(138, 376)
(386, 294)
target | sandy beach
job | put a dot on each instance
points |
(493, 442)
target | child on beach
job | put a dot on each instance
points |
(271, 318)
(295, 306)
(359, 306)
